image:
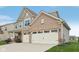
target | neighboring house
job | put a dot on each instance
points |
(74, 39)
(4, 31)
(45, 28)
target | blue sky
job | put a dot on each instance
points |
(70, 14)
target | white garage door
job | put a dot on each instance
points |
(46, 38)
(26, 38)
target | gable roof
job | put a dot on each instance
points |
(39, 16)
(7, 24)
(59, 19)
(30, 11)
(34, 14)
(54, 13)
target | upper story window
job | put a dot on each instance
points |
(27, 21)
(22, 24)
(17, 26)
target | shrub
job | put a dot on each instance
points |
(8, 40)
(17, 40)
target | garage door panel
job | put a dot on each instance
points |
(36, 38)
(55, 38)
(47, 38)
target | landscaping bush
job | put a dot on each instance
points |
(18, 40)
(8, 40)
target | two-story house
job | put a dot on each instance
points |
(44, 28)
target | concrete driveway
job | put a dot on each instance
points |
(25, 47)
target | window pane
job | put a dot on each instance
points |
(53, 30)
(46, 31)
(15, 26)
(34, 32)
(40, 32)
(20, 26)
(27, 22)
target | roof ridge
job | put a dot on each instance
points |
(53, 11)
(7, 24)
(31, 11)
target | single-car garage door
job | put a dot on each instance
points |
(26, 38)
(46, 37)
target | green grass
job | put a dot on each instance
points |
(67, 47)
(2, 42)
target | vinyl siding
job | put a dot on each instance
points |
(5, 34)
(66, 34)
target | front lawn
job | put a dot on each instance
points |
(67, 47)
(3, 42)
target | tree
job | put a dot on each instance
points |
(78, 39)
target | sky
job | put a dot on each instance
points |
(70, 14)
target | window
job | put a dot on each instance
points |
(1, 32)
(15, 26)
(46, 31)
(53, 30)
(39, 32)
(42, 21)
(34, 32)
(19, 25)
(5, 28)
(27, 22)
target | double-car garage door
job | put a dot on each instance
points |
(46, 37)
